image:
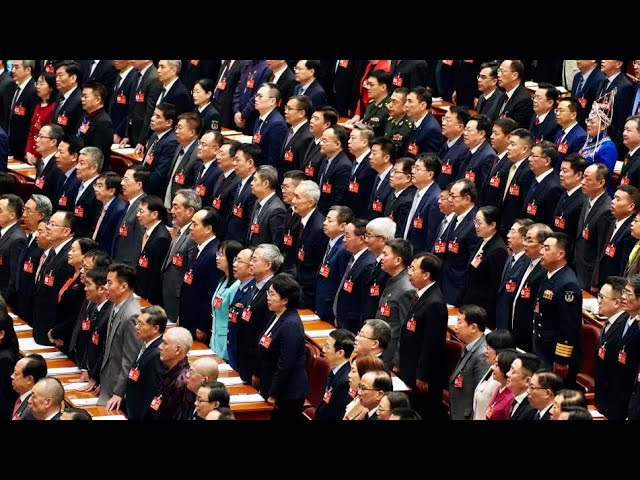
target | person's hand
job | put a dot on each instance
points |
(30, 158)
(561, 369)
(271, 401)
(51, 339)
(238, 120)
(422, 386)
(139, 150)
(255, 382)
(395, 369)
(353, 120)
(116, 139)
(200, 335)
(475, 103)
(124, 141)
(453, 98)
(114, 403)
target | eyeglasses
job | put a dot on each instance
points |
(238, 260)
(85, 267)
(372, 235)
(43, 136)
(418, 169)
(219, 254)
(532, 387)
(626, 293)
(53, 225)
(287, 108)
(601, 296)
(538, 156)
(483, 77)
(451, 195)
(326, 346)
(362, 335)
(398, 172)
(352, 236)
(362, 388)
(200, 400)
(206, 145)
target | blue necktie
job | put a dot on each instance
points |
(580, 85)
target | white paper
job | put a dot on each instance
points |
(53, 355)
(20, 166)
(319, 333)
(116, 146)
(617, 168)
(560, 89)
(229, 133)
(22, 328)
(453, 320)
(530, 85)
(124, 151)
(30, 344)
(309, 318)
(399, 385)
(449, 307)
(13, 315)
(436, 99)
(243, 138)
(444, 107)
(62, 370)
(224, 367)
(84, 402)
(74, 386)
(109, 417)
(590, 304)
(596, 414)
(200, 353)
(228, 381)
(246, 398)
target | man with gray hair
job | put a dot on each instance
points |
(269, 213)
(372, 338)
(264, 264)
(310, 238)
(173, 90)
(87, 207)
(362, 177)
(46, 399)
(379, 231)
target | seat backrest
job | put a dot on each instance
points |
(318, 380)
(453, 349)
(120, 164)
(590, 339)
(23, 187)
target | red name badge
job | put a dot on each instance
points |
(27, 266)
(139, 97)
(453, 246)
(376, 206)
(217, 203)
(49, 68)
(85, 325)
(374, 290)
(40, 183)
(1, 260)
(326, 188)
(123, 231)
(413, 148)
(84, 128)
(610, 251)
(448, 62)
(201, 190)
(62, 120)
(583, 101)
(495, 181)
(411, 324)
(62, 201)
(532, 208)
(177, 260)
(439, 247)
(326, 398)
(559, 222)
(476, 261)
(237, 211)
(257, 138)
(265, 341)
(309, 171)
(417, 223)
(246, 314)
(255, 228)
(155, 403)
(447, 168)
(217, 301)
(343, 63)
(602, 351)
(121, 99)
(222, 84)
(95, 338)
(19, 110)
(179, 178)
(195, 62)
(134, 374)
(325, 270)
(143, 262)
(301, 254)
(563, 147)
(526, 293)
(585, 233)
(348, 286)
(288, 155)
(397, 81)
(470, 175)
(48, 280)
(514, 190)
(624, 181)
(385, 310)
(233, 317)
(250, 82)
(622, 357)
(188, 277)
(354, 187)
(288, 240)
(78, 211)
(510, 286)
(458, 381)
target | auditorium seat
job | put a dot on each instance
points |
(590, 339)
(24, 186)
(317, 370)
(452, 352)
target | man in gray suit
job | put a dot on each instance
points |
(269, 213)
(185, 204)
(472, 321)
(128, 238)
(121, 345)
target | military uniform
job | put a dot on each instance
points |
(376, 115)
(557, 322)
(398, 131)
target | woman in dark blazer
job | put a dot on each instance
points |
(487, 263)
(202, 96)
(9, 356)
(282, 378)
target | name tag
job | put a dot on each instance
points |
(40, 182)
(176, 260)
(417, 223)
(123, 231)
(458, 381)
(78, 212)
(374, 290)
(447, 168)
(84, 128)
(325, 270)
(301, 254)
(143, 262)
(622, 357)
(250, 82)
(134, 374)
(265, 341)
(155, 403)
(217, 203)
(397, 81)
(27, 266)
(439, 247)
(257, 138)
(288, 155)
(610, 251)
(514, 190)
(188, 277)
(354, 187)
(246, 314)
(376, 206)
(217, 301)
(411, 324)
(255, 228)
(413, 148)
(585, 233)
(602, 352)
(525, 293)
(510, 286)
(559, 222)
(201, 190)
(343, 63)
(453, 246)
(476, 261)
(532, 209)
(288, 240)
(563, 147)
(95, 338)
(348, 286)
(326, 398)
(139, 97)
(85, 325)
(62, 201)
(309, 171)
(326, 188)
(179, 178)
(237, 211)
(62, 120)
(495, 181)
(385, 310)
(48, 280)
(624, 181)
(471, 175)
(222, 84)
(19, 110)
(121, 99)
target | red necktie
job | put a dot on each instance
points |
(537, 122)
(16, 406)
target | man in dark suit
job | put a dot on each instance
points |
(67, 162)
(153, 250)
(352, 290)
(269, 213)
(86, 208)
(21, 106)
(183, 167)
(344, 78)
(382, 151)
(107, 188)
(491, 192)
(519, 379)
(401, 198)
(567, 213)
(628, 350)
(173, 90)
(616, 79)
(27, 372)
(96, 129)
(145, 373)
(297, 112)
(101, 71)
(362, 176)
(543, 124)
(454, 152)
(517, 103)
(409, 73)
(378, 233)
(285, 80)
(201, 279)
(426, 135)
(270, 130)
(226, 185)
(479, 162)
(335, 170)
(7, 91)
(543, 388)
(145, 91)
(48, 177)
(306, 72)
(160, 148)
(68, 111)
(206, 170)
(129, 232)
(571, 137)
(585, 86)
(491, 97)
(337, 350)
(185, 204)
(321, 119)
(542, 198)
(246, 161)
(630, 174)
(12, 240)
(226, 84)
(254, 73)
(120, 98)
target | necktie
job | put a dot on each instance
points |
(414, 300)
(151, 147)
(289, 136)
(111, 321)
(507, 269)
(16, 407)
(145, 238)
(47, 263)
(443, 227)
(344, 279)
(93, 67)
(587, 210)
(326, 253)
(512, 173)
(537, 121)
(138, 80)
(144, 347)
(537, 416)
(161, 97)
(412, 212)
(454, 224)
(218, 185)
(80, 192)
(376, 184)
(176, 164)
(15, 98)
(634, 254)
(626, 327)
(463, 353)
(354, 166)
(43, 259)
(514, 404)
(580, 86)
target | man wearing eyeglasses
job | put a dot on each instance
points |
(543, 124)
(543, 387)
(542, 198)
(297, 112)
(491, 97)
(372, 388)
(48, 177)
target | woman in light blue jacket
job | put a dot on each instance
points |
(223, 295)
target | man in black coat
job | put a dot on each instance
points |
(337, 350)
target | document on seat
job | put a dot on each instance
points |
(530, 85)
(617, 168)
(224, 367)
(309, 318)
(21, 166)
(74, 386)
(243, 138)
(229, 133)
(30, 344)
(53, 355)
(109, 417)
(22, 328)
(116, 146)
(228, 381)
(62, 370)
(399, 385)
(200, 353)
(246, 398)
(319, 333)
(13, 315)
(84, 402)
(124, 151)
(596, 414)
